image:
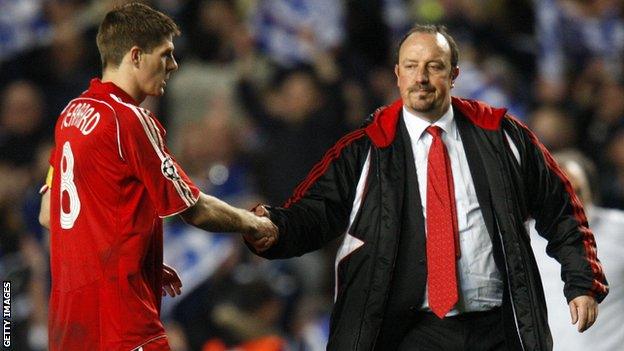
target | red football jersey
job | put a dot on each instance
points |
(113, 182)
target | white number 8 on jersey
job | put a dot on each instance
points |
(68, 186)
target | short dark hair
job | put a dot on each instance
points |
(432, 29)
(129, 25)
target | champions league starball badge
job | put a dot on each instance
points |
(169, 170)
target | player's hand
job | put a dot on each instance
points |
(265, 233)
(584, 310)
(171, 283)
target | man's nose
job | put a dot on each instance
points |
(173, 65)
(422, 76)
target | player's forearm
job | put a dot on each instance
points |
(214, 215)
(44, 212)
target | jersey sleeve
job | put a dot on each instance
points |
(144, 149)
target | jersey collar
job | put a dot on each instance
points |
(106, 88)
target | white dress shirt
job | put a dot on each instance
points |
(480, 283)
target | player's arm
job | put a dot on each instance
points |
(169, 187)
(212, 214)
(44, 211)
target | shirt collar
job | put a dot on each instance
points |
(97, 86)
(418, 124)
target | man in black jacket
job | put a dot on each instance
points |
(432, 195)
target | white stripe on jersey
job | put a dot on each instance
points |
(153, 134)
(153, 128)
(114, 114)
(140, 348)
(161, 144)
(119, 139)
(157, 139)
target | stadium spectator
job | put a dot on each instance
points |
(574, 34)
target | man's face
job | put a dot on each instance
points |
(424, 74)
(155, 68)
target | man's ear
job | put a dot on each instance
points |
(396, 73)
(135, 56)
(454, 75)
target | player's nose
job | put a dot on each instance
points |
(172, 64)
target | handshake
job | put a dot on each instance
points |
(263, 233)
(214, 215)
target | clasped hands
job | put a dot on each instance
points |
(265, 233)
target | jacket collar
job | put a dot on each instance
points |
(382, 130)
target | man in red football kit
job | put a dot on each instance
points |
(112, 181)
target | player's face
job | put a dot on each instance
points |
(424, 74)
(156, 68)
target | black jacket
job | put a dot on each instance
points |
(342, 195)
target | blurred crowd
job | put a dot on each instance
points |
(264, 88)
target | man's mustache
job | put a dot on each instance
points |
(427, 88)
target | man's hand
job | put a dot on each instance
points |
(584, 310)
(171, 283)
(265, 234)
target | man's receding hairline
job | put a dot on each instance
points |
(438, 36)
(446, 42)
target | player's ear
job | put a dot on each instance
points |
(135, 56)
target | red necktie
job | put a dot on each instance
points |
(442, 245)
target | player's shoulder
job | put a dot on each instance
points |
(88, 102)
(133, 118)
(127, 112)
(121, 107)
(86, 112)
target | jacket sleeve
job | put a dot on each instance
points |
(319, 208)
(559, 217)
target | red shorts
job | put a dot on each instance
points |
(159, 344)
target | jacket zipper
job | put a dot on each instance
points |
(378, 173)
(513, 306)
